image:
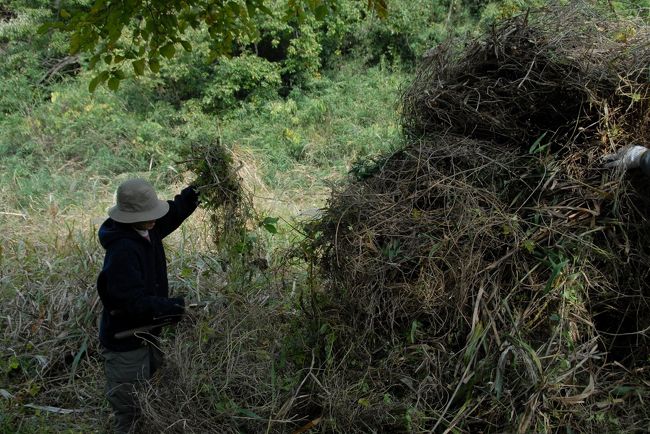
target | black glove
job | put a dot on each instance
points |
(191, 194)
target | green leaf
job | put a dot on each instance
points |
(77, 357)
(379, 6)
(186, 46)
(100, 78)
(13, 364)
(168, 50)
(44, 28)
(414, 328)
(250, 7)
(154, 65)
(270, 224)
(536, 146)
(138, 66)
(623, 390)
(321, 12)
(529, 245)
(235, 8)
(248, 413)
(114, 83)
(93, 61)
(75, 43)
(99, 4)
(265, 9)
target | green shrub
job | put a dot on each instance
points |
(22, 62)
(296, 51)
(246, 77)
(303, 55)
(23, 25)
(185, 77)
(410, 29)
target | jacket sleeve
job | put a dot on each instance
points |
(123, 290)
(645, 163)
(180, 208)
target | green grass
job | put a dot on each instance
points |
(313, 135)
(74, 133)
(66, 147)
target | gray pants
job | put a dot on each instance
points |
(124, 372)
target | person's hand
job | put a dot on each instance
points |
(626, 158)
(178, 303)
(193, 193)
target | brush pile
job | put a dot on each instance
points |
(220, 187)
(492, 275)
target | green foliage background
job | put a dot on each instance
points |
(304, 93)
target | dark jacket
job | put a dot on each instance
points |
(133, 283)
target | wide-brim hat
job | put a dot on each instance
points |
(136, 201)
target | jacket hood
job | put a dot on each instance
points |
(110, 231)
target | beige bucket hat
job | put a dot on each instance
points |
(137, 202)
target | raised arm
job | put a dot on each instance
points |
(180, 208)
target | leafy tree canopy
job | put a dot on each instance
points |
(141, 32)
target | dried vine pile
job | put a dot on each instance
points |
(492, 276)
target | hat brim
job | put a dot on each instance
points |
(135, 217)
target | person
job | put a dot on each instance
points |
(134, 291)
(631, 157)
